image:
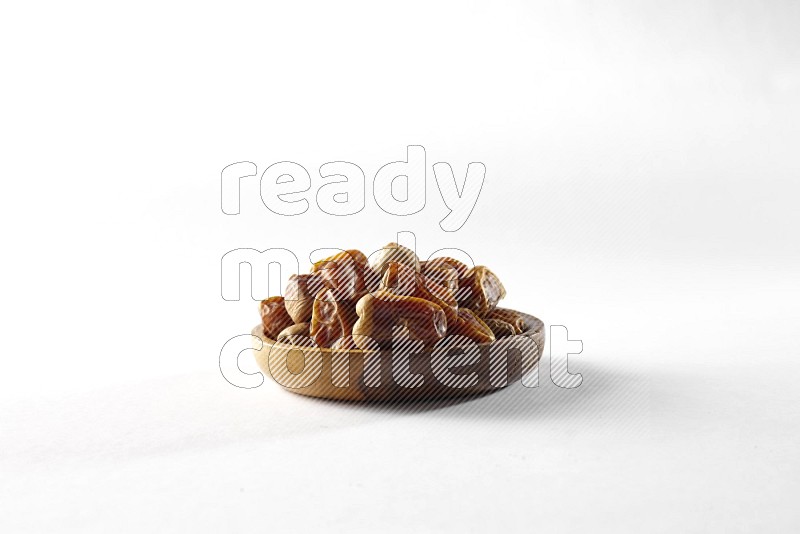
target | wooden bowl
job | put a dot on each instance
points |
(384, 375)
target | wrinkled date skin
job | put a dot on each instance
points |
(379, 312)
(299, 295)
(350, 255)
(485, 290)
(400, 279)
(471, 326)
(500, 328)
(331, 318)
(508, 316)
(445, 271)
(442, 276)
(274, 316)
(347, 273)
(449, 264)
(393, 252)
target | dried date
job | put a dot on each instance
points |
(274, 316)
(380, 312)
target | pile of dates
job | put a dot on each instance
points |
(347, 302)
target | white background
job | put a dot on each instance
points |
(642, 176)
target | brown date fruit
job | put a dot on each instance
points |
(274, 316)
(381, 311)
(485, 290)
(297, 334)
(500, 328)
(393, 252)
(352, 254)
(400, 279)
(299, 295)
(471, 326)
(331, 318)
(347, 273)
(508, 316)
(448, 263)
(443, 276)
(446, 271)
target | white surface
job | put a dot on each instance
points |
(641, 190)
(682, 425)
